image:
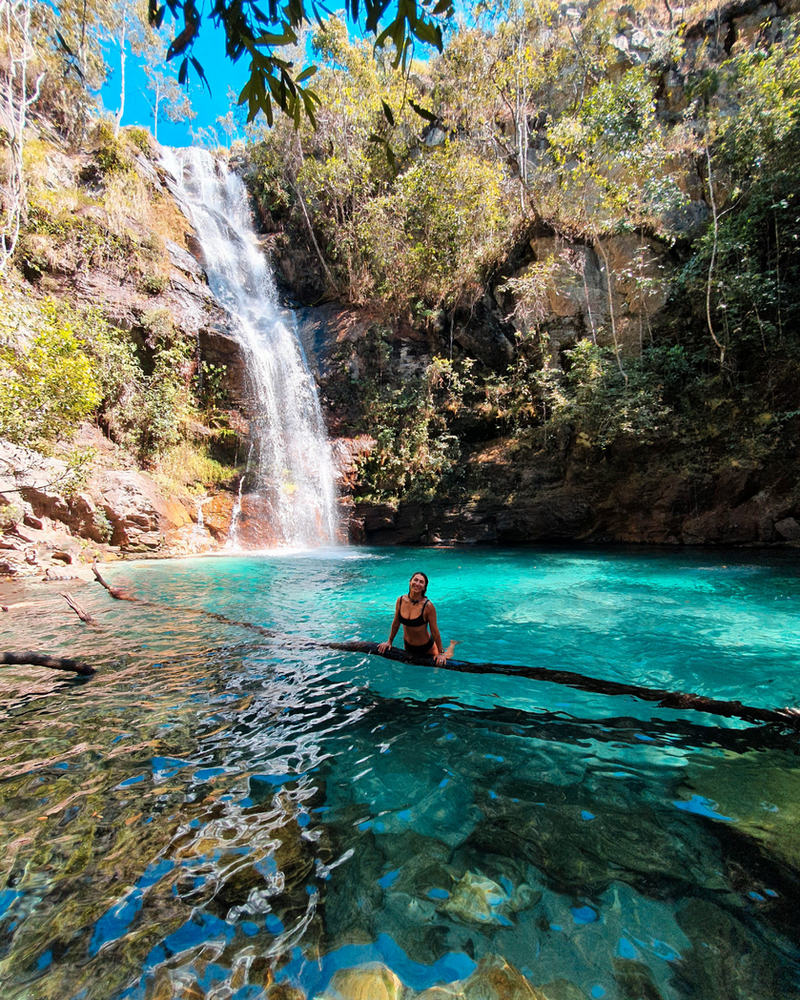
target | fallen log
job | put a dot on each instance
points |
(665, 699)
(45, 660)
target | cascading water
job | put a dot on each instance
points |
(290, 484)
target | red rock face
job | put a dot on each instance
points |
(253, 530)
(217, 514)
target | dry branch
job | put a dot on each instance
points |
(83, 615)
(665, 699)
(118, 595)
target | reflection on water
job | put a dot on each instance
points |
(221, 813)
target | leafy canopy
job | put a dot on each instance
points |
(262, 28)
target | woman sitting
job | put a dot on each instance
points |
(416, 614)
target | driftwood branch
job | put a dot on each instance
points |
(118, 595)
(44, 660)
(83, 615)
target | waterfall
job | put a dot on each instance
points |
(290, 484)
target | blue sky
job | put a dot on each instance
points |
(222, 74)
(209, 50)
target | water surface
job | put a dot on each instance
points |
(225, 809)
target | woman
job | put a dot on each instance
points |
(416, 613)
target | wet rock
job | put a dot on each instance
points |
(477, 899)
(452, 992)
(421, 861)
(219, 348)
(217, 515)
(726, 959)
(366, 982)
(494, 979)
(282, 991)
(583, 858)
(563, 989)
(635, 980)
(253, 527)
(789, 529)
(763, 801)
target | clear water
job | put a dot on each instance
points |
(225, 813)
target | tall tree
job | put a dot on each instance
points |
(168, 100)
(20, 90)
(129, 29)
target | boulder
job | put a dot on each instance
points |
(217, 515)
(788, 528)
(36, 485)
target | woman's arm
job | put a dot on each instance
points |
(438, 654)
(393, 632)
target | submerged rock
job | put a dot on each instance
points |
(760, 802)
(477, 899)
(635, 979)
(282, 991)
(494, 979)
(366, 982)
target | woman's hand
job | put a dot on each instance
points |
(440, 659)
(383, 647)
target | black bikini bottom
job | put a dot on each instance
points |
(420, 650)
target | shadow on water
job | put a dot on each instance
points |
(209, 817)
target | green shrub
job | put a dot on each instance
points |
(10, 515)
(47, 388)
(602, 401)
(153, 284)
(110, 152)
(139, 137)
(414, 450)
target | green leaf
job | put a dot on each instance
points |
(63, 44)
(387, 112)
(427, 32)
(199, 70)
(429, 116)
(286, 37)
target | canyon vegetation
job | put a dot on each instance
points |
(546, 278)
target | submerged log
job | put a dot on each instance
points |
(665, 699)
(45, 660)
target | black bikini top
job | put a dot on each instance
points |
(413, 622)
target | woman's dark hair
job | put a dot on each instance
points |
(424, 577)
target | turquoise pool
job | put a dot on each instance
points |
(225, 811)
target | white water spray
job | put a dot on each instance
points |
(291, 485)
